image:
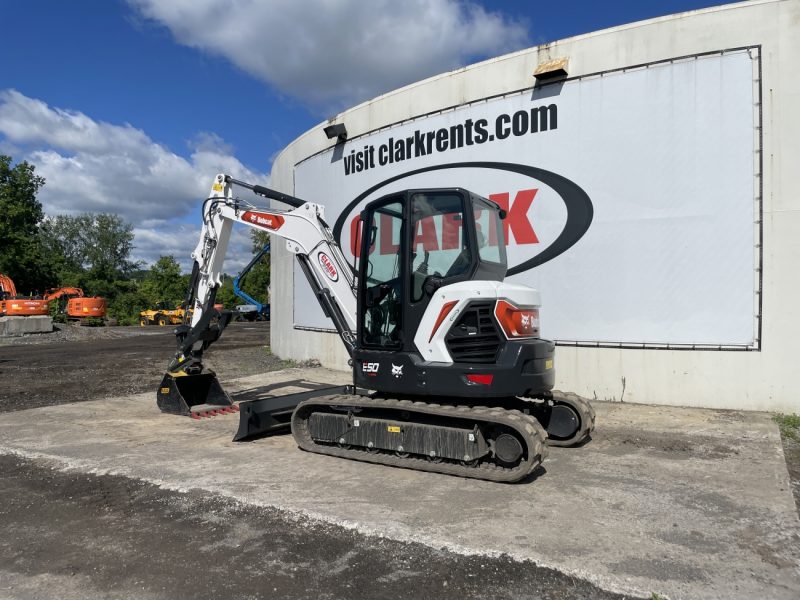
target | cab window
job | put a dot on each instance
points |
(439, 242)
(489, 232)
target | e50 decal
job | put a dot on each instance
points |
(370, 368)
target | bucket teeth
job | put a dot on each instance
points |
(213, 412)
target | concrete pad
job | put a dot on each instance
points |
(689, 503)
(23, 325)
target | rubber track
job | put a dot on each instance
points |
(585, 414)
(527, 426)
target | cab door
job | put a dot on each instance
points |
(382, 282)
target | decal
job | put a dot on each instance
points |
(370, 368)
(262, 219)
(397, 371)
(579, 207)
(452, 137)
(328, 267)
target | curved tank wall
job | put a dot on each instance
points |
(682, 133)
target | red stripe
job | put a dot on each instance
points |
(442, 316)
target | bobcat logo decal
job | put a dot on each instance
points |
(397, 370)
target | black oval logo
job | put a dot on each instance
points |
(579, 206)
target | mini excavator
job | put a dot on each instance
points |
(450, 374)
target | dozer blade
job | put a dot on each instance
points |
(269, 415)
(182, 394)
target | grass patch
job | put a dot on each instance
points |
(789, 426)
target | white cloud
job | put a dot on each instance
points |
(92, 166)
(180, 240)
(333, 54)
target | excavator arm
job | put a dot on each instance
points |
(7, 288)
(307, 236)
(54, 294)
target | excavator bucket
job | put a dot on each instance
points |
(193, 395)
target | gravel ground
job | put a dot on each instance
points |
(76, 333)
(108, 536)
(81, 363)
(87, 363)
(791, 450)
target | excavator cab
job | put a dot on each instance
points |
(428, 317)
(418, 242)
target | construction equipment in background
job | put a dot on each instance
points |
(163, 315)
(12, 305)
(450, 374)
(73, 303)
(254, 310)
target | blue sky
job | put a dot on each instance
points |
(132, 106)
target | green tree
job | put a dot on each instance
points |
(164, 282)
(225, 295)
(92, 251)
(126, 301)
(22, 255)
(110, 253)
(256, 282)
(95, 246)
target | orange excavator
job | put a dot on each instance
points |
(12, 305)
(78, 305)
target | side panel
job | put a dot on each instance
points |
(430, 337)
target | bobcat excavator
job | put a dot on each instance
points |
(449, 372)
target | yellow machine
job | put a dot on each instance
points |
(162, 315)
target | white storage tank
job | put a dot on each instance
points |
(650, 177)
